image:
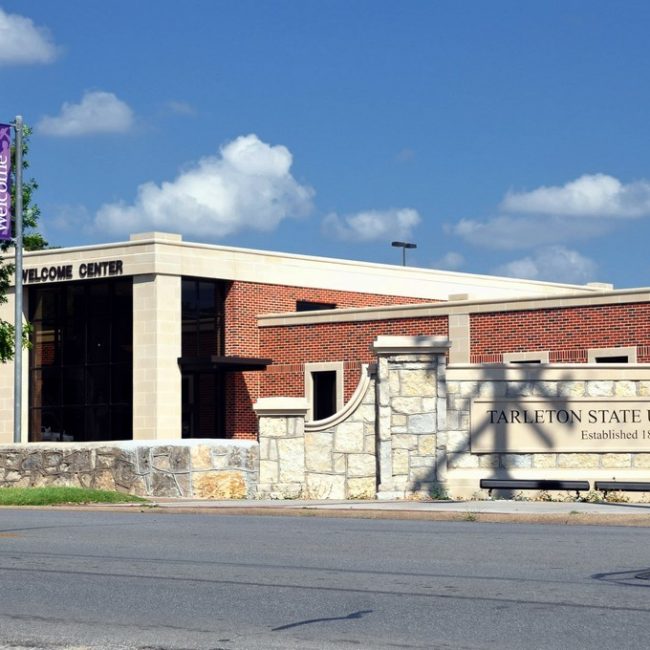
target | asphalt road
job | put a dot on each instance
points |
(151, 580)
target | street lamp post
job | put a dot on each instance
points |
(403, 245)
(18, 283)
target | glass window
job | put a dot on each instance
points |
(81, 361)
(310, 305)
(202, 317)
(324, 394)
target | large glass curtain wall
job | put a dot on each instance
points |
(81, 361)
(203, 401)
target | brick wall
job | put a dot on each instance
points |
(567, 333)
(291, 346)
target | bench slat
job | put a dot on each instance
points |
(533, 484)
(623, 486)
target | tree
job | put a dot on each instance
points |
(32, 240)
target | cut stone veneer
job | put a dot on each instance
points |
(282, 447)
(569, 382)
(412, 413)
(207, 468)
(332, 458)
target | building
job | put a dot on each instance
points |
(159, 341)
(156, 338)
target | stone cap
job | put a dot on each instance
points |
(281, 406)
(411, 345)
(167, 236)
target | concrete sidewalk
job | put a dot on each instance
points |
(489, 510)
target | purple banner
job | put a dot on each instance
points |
(5, 174)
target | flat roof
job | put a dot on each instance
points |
(166, 253)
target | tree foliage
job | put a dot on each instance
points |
(32, 240)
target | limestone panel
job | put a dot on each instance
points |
(400, 461)
(490, 461)
(572, 389)
(201, 457)
(600, 388)
(407, 405)
(616, 460)
(427, 445)
(512, 461)
(625, 389)
(361, 488)
(582, 461)
(324, 486)
(361, 465)
(641, 460)
(291, 452)
(349, 437)
(417, 383)
(319, 447)
(545, 461)
(461, 460)
(423, 423)
(219, 485)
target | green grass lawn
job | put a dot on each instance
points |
(47, 496)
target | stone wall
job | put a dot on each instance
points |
(559, 384)
(218, 469)
(408, 429)
(327, 459)
(412, 414)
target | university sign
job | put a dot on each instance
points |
(5, 181)
(82, 271)
(537, 425)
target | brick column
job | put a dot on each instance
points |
(411, 424)
(156, 348)
(282, 447)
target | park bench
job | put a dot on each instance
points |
(622, 486)
(533, 484)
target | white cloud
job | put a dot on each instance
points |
(511, 233)
(249, 185)
(180, 108)
(372, 225)
(591, 195)
(21, 42)
(67, 217)
(98, 112)
(552, 264)
(450, 261)
(405, 155)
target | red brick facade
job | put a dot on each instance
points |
(567, 333)
(348, 342)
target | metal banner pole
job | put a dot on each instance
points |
(18, 282)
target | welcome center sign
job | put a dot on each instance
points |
(535, 425)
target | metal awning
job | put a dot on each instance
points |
(215, 363)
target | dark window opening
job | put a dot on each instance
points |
(202, 308)
(308, 305)
(324, 394)
(619, 359)
(202, 405)
(81, 361)
(203, 393)
(525, 361)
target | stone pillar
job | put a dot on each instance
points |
(156, 348)
(282, 447)
(7, 380)
(411, 423)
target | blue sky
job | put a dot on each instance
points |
(501, 137)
